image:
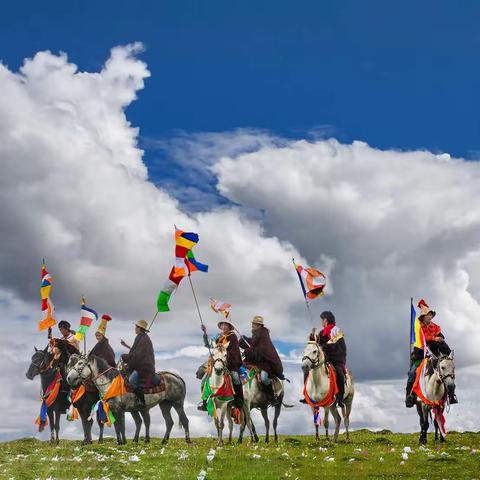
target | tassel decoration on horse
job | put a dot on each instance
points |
(116, 389)
(47, 399)
(224, 393)
(75, 396)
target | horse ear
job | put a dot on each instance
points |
(451, 355)
(45, 349)
(226, 345)
(36, 349)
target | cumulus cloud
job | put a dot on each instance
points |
(74, 189)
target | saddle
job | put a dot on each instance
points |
(148, 386)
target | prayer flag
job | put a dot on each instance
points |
(48, 308)
(417, 339)
(87, 316)
(312, 281)
(220, 307)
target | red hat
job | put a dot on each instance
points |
(422, 305)
(106, 317)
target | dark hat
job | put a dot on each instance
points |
(64, 324)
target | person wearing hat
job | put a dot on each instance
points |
(332, 341)
(227, 337)
(68, 337)
(102, 348)
(435, 341)
(140, 359)
(260, 351)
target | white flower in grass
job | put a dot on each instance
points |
(407, 449)
(211, 455)
(381, 460)
(402, 463)
(183, 455)
(351, 460)
(329, 459)
(256, 456)
(55, 459)
(322, 449)
(133, 458)
(201, 475)
(142, 452)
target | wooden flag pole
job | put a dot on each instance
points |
(153, 319)
(198, 310)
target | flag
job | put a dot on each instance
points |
(48, 308)
(184, 264)
(312, 281)
(416, 339)
(87, 316)
(220, 307)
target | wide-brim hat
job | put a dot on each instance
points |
(424, 309)
(143, 324)
(226, 321)
(258, 319)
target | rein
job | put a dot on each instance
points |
(315, 363)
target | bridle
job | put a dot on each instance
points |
(42, 366)
(80, 371)
(316, 363)
(443, 377)
(222, 361)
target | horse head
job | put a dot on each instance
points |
(313, 356)
(446, 371)
(78, 370)
(219, 358)
(39, 363)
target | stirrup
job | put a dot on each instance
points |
(410, 401)
(202, 406)
(452, 399)
(302, 400)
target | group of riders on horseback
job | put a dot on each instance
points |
(259, 355)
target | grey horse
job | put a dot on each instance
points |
(436, 384)
(40, 365)
(96, 369)
(256, 397)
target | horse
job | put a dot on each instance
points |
(438, 382)
(97, 370)
(318, 385)
(254, 396)
(40, 365)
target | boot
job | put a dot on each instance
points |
(202, 406)
(410, 398)
(238, 397)
(305, 375)
(341, 392)
(140, 395)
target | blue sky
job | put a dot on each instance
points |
(401, 75)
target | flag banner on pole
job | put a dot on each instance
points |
(417, 339)
(312, 281)
(184, 264)
(220, 307)
(48, 308)
(87, 316)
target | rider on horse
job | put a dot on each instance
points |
(228, 337)
(140, 359)
(435, 341)
(102, 348)
(259, 351)
(332, 341)
(68, 337)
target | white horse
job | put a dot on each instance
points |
(255, 397)
(318, 386)
(436, 384)
(102, 375)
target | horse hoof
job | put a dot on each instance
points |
(135, 440)
(100, 440)
(164, 441)
(267, 440)
(147, 439)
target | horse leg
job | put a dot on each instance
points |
(267, 424)
(346, 415)
(183, 419)
(165, 407)
(122, 427)
(146, 420)
(57, 425)
(423, 415)
(230, 427)
(338, 419)
(249, 423)
(118, 427)
(220, 425)
(326, 423)
(51, 421)
(278, 409)
(100, 426)
(138, 425)
(435, 424)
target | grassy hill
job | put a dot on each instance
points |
(369, 455)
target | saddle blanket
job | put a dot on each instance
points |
(148, 387)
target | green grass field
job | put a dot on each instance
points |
(369, 455)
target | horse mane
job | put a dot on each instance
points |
(104, 368)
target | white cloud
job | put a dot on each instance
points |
(74, 189)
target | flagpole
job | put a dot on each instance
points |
(410, 339)
(304, 296)
(153, 319)
(198, 310)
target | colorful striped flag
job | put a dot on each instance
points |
(48, 308)
(87, 316)
(417, 339)
(220, 307)
(312, 281)
(184, 264)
